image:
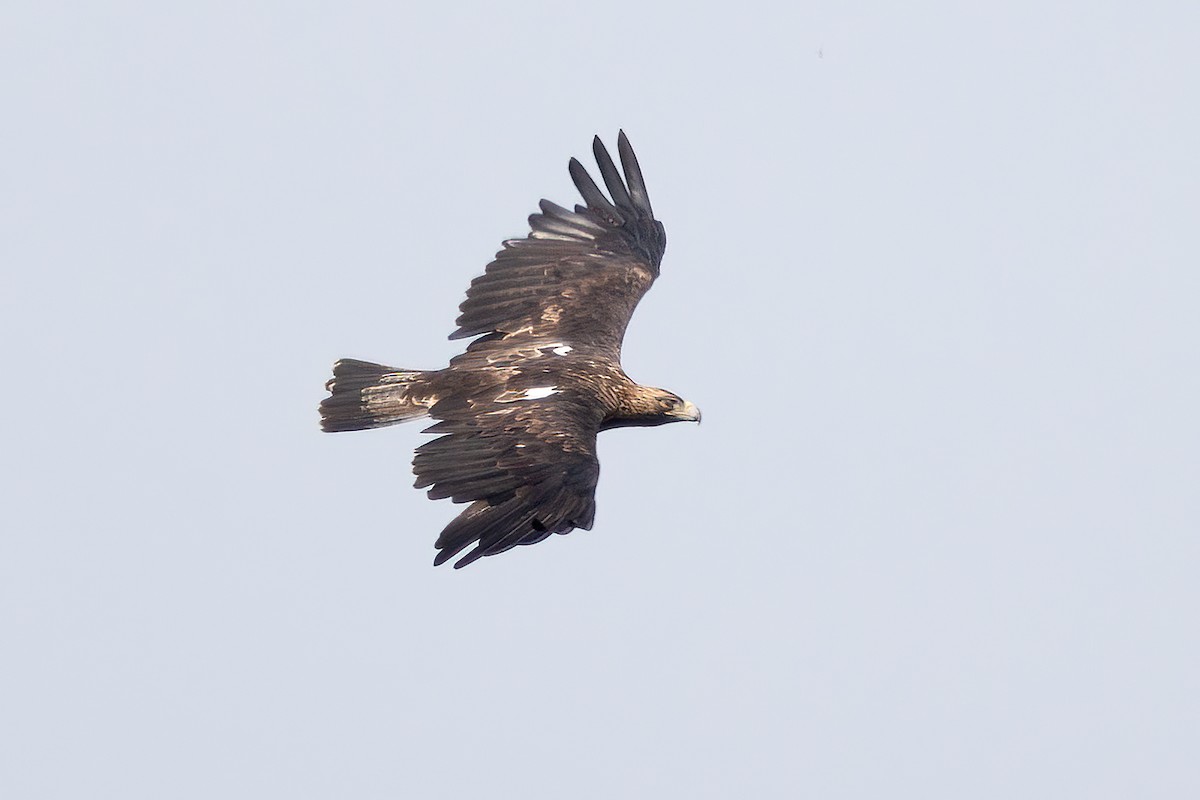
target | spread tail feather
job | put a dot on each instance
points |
(366, 395)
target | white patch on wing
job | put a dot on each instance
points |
(562, 349)
(536, 393)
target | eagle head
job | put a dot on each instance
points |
(675, 409)
(646, 406)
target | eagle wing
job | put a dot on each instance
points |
(526, 463)
(578, 275)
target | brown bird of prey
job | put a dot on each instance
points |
(519, 410)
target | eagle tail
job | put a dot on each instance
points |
(366, 395)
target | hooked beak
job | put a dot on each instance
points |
(689, 412)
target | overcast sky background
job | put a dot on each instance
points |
(933, 276)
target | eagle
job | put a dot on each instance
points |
(519, 410)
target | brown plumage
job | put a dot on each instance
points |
(519, 410)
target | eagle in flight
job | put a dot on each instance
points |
(518, 412)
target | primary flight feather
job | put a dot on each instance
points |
(519, 410)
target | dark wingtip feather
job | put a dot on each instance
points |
(612, 178)
(469, 558)
(633, 175)
(591, 193)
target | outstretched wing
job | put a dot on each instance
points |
(577, 277)
(526, 463)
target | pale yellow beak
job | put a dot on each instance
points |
(689, 412)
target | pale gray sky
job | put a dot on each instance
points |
(932, 277)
